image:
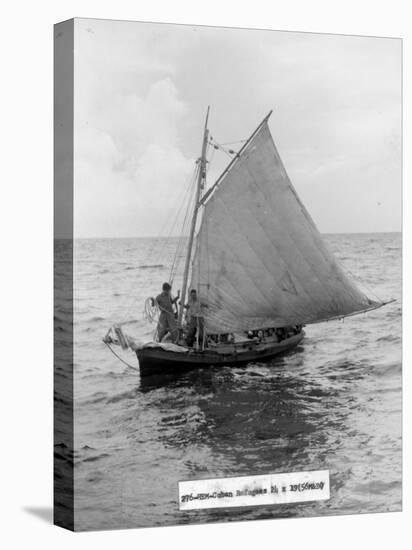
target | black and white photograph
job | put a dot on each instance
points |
(227, 272)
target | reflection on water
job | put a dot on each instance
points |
(333, 403)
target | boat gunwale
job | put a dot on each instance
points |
(257, 348)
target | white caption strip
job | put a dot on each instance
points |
(254, 490)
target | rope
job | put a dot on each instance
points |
(234, 142)
(212, 154)
(120, 359)
(220, 146)
(180, 245)
(150, 311)
(356, 279)
(182, 242)
(182, 201)
(360, 282)
(154, 256)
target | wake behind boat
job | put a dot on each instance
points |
(258, 270)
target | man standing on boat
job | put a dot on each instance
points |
(167, 320)
(195, 321)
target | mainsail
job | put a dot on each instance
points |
(259, 260)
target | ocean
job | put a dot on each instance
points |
(334, 403)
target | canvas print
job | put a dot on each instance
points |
(227, 274)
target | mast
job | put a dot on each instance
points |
(199, 186)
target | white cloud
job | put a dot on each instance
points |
(142, 89)
(128, 160)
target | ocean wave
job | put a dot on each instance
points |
(335, 403)
(144, 266)
(390, 338)
(390, 369)
(93, 458)
(63, 452)
(97, 397)
(88, 453)
(122, 396)
(100, 397)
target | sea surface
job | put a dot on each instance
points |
(334, 403)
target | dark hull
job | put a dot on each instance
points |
(157, 361)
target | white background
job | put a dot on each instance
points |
(26, 271)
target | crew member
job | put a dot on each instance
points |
(195, 319)
(167, 321)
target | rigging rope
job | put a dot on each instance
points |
(356, 279)
(186, 204)
(234, 142)
(182, 200)
(150, 254)
(182, 238)
(221, 146)
(150, 311)
(185, 198)
(361, 283)
(121, 359)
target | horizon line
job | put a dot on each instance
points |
(180, 236)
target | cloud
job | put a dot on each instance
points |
(142, 90)
(127, 161)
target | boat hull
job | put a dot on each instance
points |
(157, 361)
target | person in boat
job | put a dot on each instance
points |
(167, 321)
(195, 319)
(212, 340)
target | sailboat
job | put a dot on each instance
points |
(258, 263)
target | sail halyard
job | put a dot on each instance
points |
(199, 188)
(259, 259)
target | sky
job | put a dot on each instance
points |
(141, 91)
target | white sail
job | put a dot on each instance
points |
(259, 260)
